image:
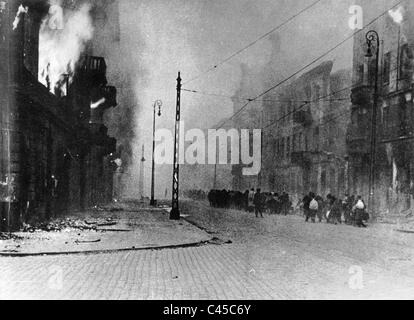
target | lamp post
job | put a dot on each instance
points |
(373, 39)
(157, 103)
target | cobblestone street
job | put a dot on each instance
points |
(271, 258)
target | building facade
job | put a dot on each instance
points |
(304, 126)
(304, 134)
(246, 117)
(393, 174)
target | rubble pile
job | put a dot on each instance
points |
(9, 236)
(68, 224)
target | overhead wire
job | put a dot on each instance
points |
(311, 63)
(225, 60)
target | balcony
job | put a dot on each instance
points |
(362, 95)
(303, 117)
(92, 71)
(358, 140)
(109, 93)
(301, 158)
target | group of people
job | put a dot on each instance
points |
(350, 209)
(194, 194)
(252, 201)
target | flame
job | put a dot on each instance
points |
(20, 11)
(397, 15)
(62, 39)
(118, 162)
(97, 103)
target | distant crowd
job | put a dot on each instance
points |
(350, 210)
(195, 194)
(251, 201)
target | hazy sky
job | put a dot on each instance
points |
(167, 36)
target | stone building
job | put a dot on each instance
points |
(246, 116)
(304, 134)
(394, 165)
(56, 154)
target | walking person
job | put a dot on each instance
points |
(336, 213)
(320, 208)
(313, 208)
(272, 203)
(305, 205)
(251, 200)
(330, 213)
(246, 200)
(347, 208)
(286, 203)
(258, 202)
(360, 212)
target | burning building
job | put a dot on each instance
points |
(56, 154)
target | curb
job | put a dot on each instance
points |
(103, 251)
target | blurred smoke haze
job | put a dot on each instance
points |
(158, 38)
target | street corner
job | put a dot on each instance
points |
(119, 227)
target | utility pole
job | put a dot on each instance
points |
(215, 176)
(141, 175)
(372, 36)
(175, 211)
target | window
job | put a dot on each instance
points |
(288, 112)
(317, 92)
(360, 74)
(332, 176)
(372, 68)
(406, 58)
(385, 115)
(386, 68)
(403, 118)
(294, 143)
(323, 180)
(306, 143)
(316, 138)
(276, 148)
(308, 92)
(288, 146)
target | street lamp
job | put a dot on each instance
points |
(157, 103)
(373, 39)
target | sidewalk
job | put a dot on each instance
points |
(117, 227)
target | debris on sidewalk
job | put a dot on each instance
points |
(57, 225)
(10, 236)
(87, 241)
(218, 241)
(95, 231)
